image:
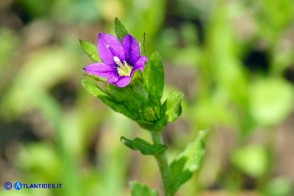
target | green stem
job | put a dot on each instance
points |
(163, 164)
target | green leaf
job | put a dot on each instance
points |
(143, 146)
(172, 106)
(154, 76)
(120, 29)
(91, 50)
(188, 161)
(97, 78)
(96, 91)
(92, 88)
(142, 190)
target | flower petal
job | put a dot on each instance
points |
(140, 64)
(102, 70)
(108, 47)
(132, 49)
(123, 81)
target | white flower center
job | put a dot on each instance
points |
(123, 69)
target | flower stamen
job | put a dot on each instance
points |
(122, 69)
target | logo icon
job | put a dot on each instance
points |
(7, 185)
(18, 185)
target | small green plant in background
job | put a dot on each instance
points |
(132, 84)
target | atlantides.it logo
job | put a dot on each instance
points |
(18, 185)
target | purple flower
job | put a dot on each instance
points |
(120, 60)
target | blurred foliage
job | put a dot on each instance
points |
(52, 131)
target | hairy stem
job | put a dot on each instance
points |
(163, 164)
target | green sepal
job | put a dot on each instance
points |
(151, 109)
(136, 99)
(144, 147)
(138, 189)
(154, 76)
(133, 93)
(143, 50)
(120, 29)
(125, 96)
(188, 161)
(96, 91)
(91, 50)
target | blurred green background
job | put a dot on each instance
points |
(234, 61)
